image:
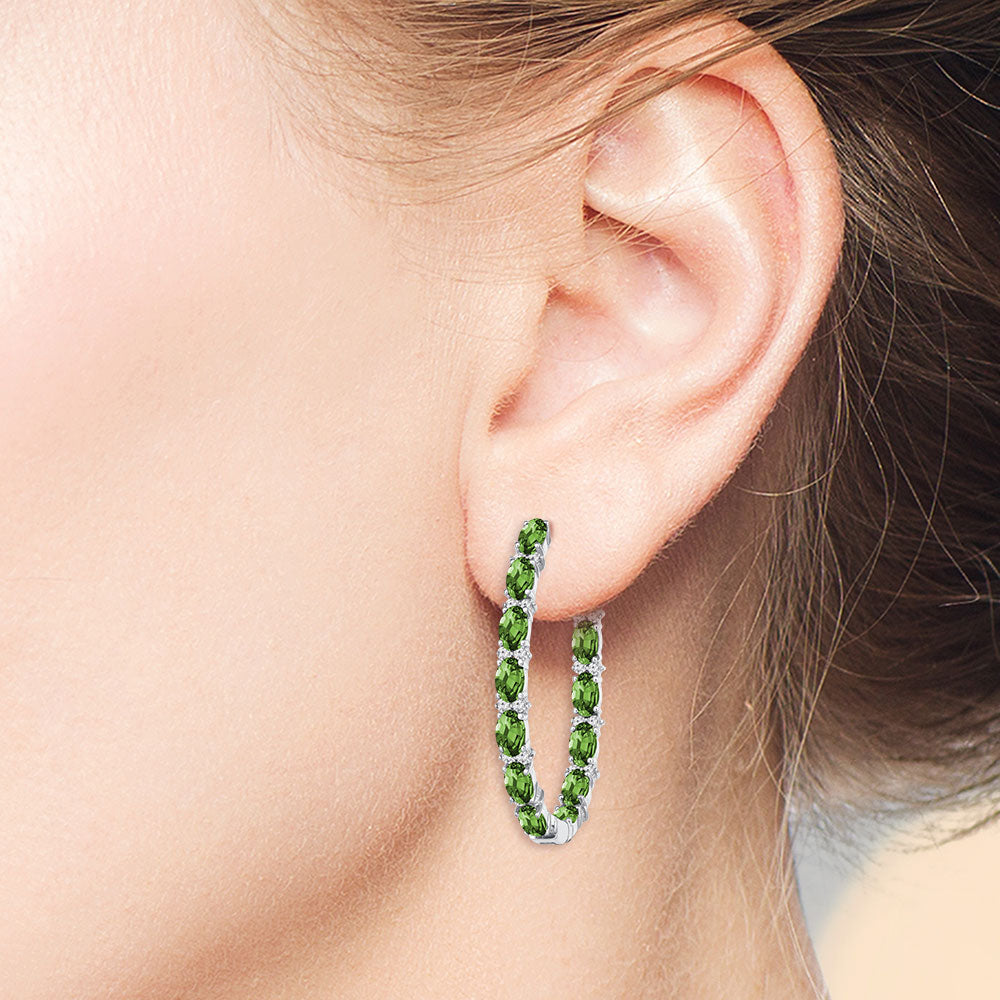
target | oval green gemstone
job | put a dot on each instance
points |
(585, 693)
(576, 784)
(509, 680)
(510, 733)
(518, 782)
(532, 822)
(567, 812)
(532, 535)
(585, 641)
(513, 627)
(582, 743)
(520, 577)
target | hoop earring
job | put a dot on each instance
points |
(513, 655)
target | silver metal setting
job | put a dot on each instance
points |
(558, 830)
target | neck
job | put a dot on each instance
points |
(661, 894)
(679, 885)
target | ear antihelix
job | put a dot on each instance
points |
(699, 172)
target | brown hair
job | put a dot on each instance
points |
(877, 644)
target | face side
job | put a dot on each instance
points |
(238, 645)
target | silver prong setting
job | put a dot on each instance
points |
(536, 536)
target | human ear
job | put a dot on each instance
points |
(712, 219)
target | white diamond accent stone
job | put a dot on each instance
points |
(519, 705)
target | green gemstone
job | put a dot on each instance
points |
(510, 733)
(576, 784)
(509, 679)
(513, 627)
(585, 641)
(520, 577)
(518, 782)
(532, 822)
(582, 743)
(585, 693)
(567, 812)
(532, 535)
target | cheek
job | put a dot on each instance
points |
(214, 525)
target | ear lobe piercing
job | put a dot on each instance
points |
(513, 655)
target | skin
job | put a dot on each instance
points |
(268, 444)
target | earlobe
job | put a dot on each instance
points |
(712, 220)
